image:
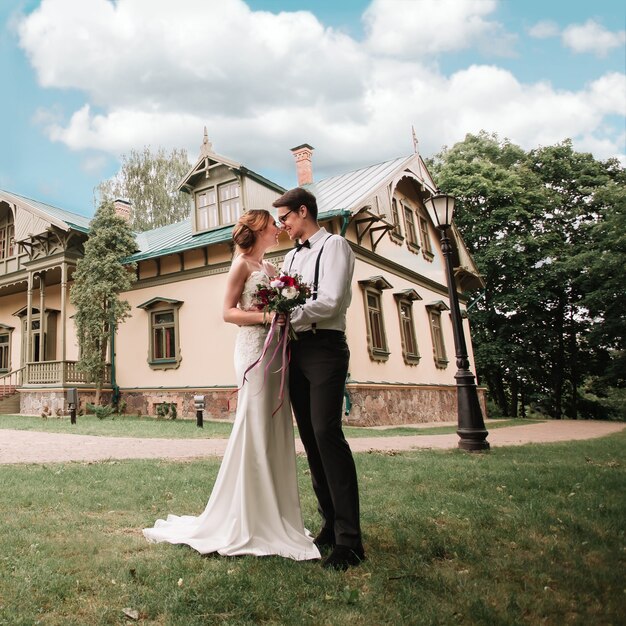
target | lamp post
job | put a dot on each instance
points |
(471, 426)
(199, 404)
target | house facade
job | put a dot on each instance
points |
(175, 344)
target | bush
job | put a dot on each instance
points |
(101, 412)
(167, 410)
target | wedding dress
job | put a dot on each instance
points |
(254, 507)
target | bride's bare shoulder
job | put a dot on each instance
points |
(269, 268)
(239, 268)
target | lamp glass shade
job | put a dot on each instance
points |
(442, 206)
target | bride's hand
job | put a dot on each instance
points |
(281, 319)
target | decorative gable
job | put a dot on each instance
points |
(223, 189)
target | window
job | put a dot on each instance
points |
(164, 348)
(411, 233)
(374, 317)
(206, 209)
(5, 350)
(396, 233)
(164, 336)
(410, 351)
(436, 332)
(7, 239)
(427, 249)
(218, 206)
(230, 205)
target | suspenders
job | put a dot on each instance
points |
(317, 274)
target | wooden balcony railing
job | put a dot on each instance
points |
(58, 372)
(9, 381)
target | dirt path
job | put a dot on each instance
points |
(21, 446)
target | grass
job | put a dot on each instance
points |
(521, 535)
(133, 426)
(119, 426)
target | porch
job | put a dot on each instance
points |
(58, 373)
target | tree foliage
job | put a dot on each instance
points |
(149, 180)
(543, 227)
(99, 278)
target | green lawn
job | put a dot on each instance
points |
(521, 535)
(133, 426)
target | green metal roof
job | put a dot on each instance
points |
(348, 191)
(72, 220)
(178, 237)
(336, 196)
(175, 238)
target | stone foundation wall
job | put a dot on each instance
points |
(378, 405)
(369, 405)
(51, 402)
(216, 402)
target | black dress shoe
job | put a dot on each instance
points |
(343, 557)
(325, 539)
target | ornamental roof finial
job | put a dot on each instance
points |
(207, 147)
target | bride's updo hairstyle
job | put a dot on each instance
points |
(247, 227)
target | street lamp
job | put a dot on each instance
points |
(471, 426)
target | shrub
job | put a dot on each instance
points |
(167, 410)
(101, 411)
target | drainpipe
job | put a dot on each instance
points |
(346, 396)
(115, 396)
(348, 408)
(345, 220)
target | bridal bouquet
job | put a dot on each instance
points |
(283, 294)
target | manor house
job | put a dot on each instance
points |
(175, 343)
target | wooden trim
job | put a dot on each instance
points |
(170, 363)
(376, 353)
(410, 358)
(441, 360)
(363, 254)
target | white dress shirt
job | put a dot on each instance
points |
(334, 291)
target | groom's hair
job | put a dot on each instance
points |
(295, 198)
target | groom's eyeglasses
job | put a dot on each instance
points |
(283, 218)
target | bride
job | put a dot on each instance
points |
(254, 507)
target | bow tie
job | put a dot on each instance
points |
(304, 244)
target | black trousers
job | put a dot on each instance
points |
(317, 376)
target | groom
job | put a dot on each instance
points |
(318, 370)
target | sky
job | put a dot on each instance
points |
(86, 81)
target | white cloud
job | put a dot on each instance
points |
(592, 37)
(544, 29)
(94, 164)
(120, 58)
(263, 83)
(418, 28)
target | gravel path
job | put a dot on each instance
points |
(21, 446)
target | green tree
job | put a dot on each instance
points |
(496, 196)
(546, 229)
(149, 180)
(99, 278)
(576, 191)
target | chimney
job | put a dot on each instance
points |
(122, 208)
(304, 165)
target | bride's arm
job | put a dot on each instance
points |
(235, 283)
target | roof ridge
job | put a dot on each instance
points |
(358, 169)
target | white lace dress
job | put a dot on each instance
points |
(254, 507)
